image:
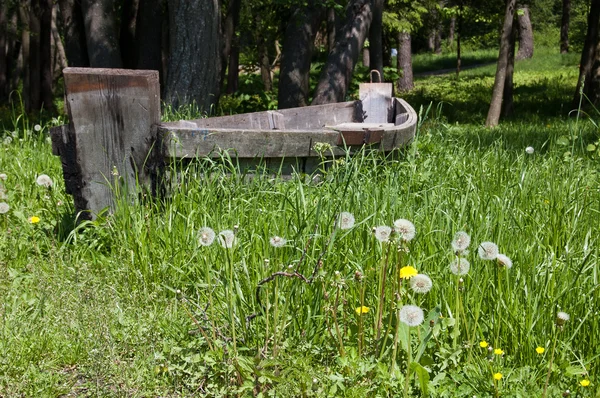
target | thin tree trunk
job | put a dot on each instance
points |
(149, 35)
(458, 38)
(493, 116)
(588, 54)
(127, 37)
(376, 38)
(525, 34)
(3, 57)
(74, 33)
(195, 53)
(297, 53)
(60, 55)
(101, 31)
(451, 29)
(14, 59)
(593, 91)
(233, 70)
(229, 27)
(35, 70)
(265, 64)
(564, 26)
(331, 28)
(25, 50)
(507, 95)
(404, 60)
(337, 73)
(46, 95)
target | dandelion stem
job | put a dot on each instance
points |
(550, 364)
(382, 293)
(335, 322)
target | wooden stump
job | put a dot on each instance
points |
(108, 142)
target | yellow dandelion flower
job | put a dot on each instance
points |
(584, 383)
(498, 351)
(34, 219)
(540, 350)
(483, 344)
(362, 310)
(408, 272)
(497, 376)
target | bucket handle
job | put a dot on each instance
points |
(378, 75)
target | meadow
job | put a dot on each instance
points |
(464, 265)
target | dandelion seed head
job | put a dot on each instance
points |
(504, 261)
(405, 229)
(4, 207)
(345, 220)
(37, 127)
(277, 241)
(460, 266)
(411, 315)
(529, 150)
(206, 236)
(488, 251)
(461, 241)
(44, 180)
(227, 238)
(382, 233)
(421, 283)
(3, 176)
(562, 318)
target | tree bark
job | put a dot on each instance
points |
(451, 29)
(459, 24)
(264, 64)
(507, 95)
(148, 35)
(101, 31)
(127, 37)
(493, 116)
(337, 73)
(229, 28)
(233, 70)
(3, 58)
(59, 49)
(46, 95)
(376, 38)
(331, 28)
(25, 51)
(404, 61)
(296, 56)
(525, 34)
(564, 26)
(74, 33)
(194, 62)
(588, 54)
(35, 69)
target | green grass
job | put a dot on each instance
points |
(132, 305)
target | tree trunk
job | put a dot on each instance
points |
(264, 64)
(404, 60)
(296, 57)
(331, 28)
(366, 57)
(376, 38)
(525, 34)
(233, 70)
(564, 26)
(593, 91)
(458, 38)
(194, 62)
(229, 27)
(337, 73)
(74, 33)
(148, 35)
(588, 54)
(25, 51)
(496, 103)
(101, 31)
(451, 29)
(3, 58)
(14, 61)
(46, 95)
(507, 95)
(59, 50)
(35, 69)
(127, 33)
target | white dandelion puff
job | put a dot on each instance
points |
(37, 127)
(411, 315)
(461, 241)
(488, 251)
(421, 283)
(562, 318)
(504, 261)
(277, 241)
(227, 238)
(460, 266)
(206, 236)
(405, 229)
(529, 150)
(3, 176)
(44, 180)
(4, 207)
(383, 233)
(345, 220)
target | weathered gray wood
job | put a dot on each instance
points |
(376, 101)
(112, 113)
(303, 118)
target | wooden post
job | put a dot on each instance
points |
(107, 145)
